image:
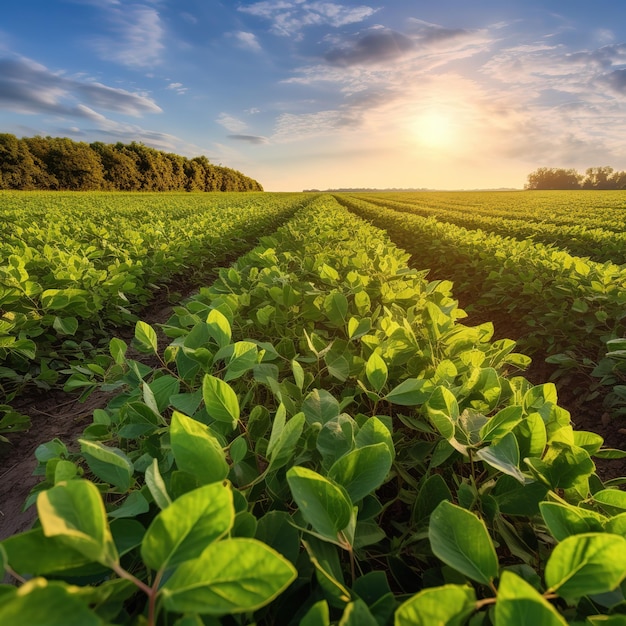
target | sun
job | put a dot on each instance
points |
(434, 130)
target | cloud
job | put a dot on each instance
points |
(231, 123)
(375, 46)
(137, 35)
(247, 40)
(290, 127)
(617, 81)
(178, 88)
(253, 139)
(29, 87)
(289, 18)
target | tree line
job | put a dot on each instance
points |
(59, 163)
(604, 177)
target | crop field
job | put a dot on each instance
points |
(318, 433)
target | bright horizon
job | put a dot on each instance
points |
(304, 94)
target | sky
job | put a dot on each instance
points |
(299, 94)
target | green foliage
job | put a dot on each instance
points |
(302, 466)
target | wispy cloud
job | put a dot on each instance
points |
(253, 139)
(231, 123)
(29, 87)
(247, 40)
(289, 18)
(136, 38)
(178, 88)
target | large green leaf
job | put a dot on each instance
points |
(186, 527)
(586, 564)
(197, 450)
(74, 513)
(450, 605)
(218, 327)
(504, 456)
(460, 539)
(40, 602)
(361, 471)
(323, 503)
(230, 576)
(108, 464)
(443, 411)
(146, 337)
(220, 400)
(563, 519)
(376, 371)
(410, 392)
(519, 604)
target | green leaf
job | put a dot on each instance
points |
(156, 485)
(613, 499)
(323, 504)
(40, 602)
(220, 400)
(564, 520)
(163, 389)
(230, 576)
(146, 337)
(410, 392)
(320, 406)
(317, 615)
(336, 308)
(298, 373)
(504, 456)
(519, 604)
(357, 614)
(219, 327)
(117, 349)
(197, 450)
(433, 491)
(285, 445)
(376, 371)
(108, 464)
(460, 539)
(32, 553)
(501, 423)
(74, 513)
(65, 325)
(586, 564)
(443, 411)
(192, 522)
(450, 605)
(242, 360)
(361, 471)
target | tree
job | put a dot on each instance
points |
(599, 178)
(553, 178)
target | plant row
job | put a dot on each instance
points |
(73, 266)
(571, 306)
(596, 243)
(591, 210)
(322, 441)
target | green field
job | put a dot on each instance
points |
(317, 435)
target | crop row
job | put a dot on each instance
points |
(572, 307)
(597, 243)
(73, 266)
(589, 209)
(322, 442)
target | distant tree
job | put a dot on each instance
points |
(75, 165)
(553, 178)
(61, 163)
(120, 168)
(599, 178)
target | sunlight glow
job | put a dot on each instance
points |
(435, 130)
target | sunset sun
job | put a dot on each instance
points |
(435, 130)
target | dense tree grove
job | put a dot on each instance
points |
(604, 177)
(61, 163)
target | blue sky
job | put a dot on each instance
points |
(309, 94)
